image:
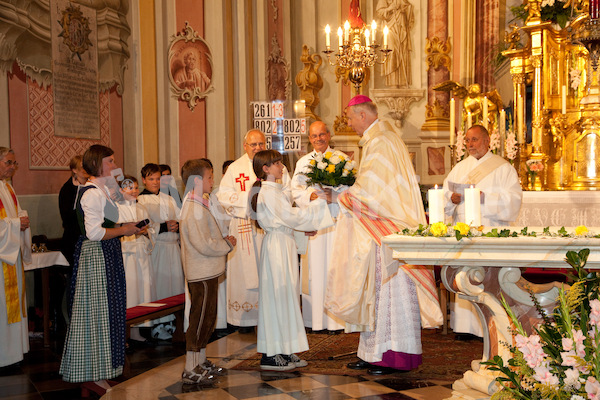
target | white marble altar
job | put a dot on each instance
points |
(480, 269)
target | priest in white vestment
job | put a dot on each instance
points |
(15, 248)
(315, 262)
(366, 287)
(242, 262)
(501, 197)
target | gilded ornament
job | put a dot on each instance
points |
(310, 81)
(437, 51)
(512, 38)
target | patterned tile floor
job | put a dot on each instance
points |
(156, 374)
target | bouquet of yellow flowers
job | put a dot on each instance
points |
(331, 169)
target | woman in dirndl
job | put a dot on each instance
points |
(94, 349)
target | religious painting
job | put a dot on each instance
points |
(435, 160)
(190, 67)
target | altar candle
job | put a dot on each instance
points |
(367, 39)
(385, 35)
(520, 133)
(485, 113)
(472, 206)
(452, 120)
(502, 129)
(564, 100)
(327, 36)
(469, 120)
(347, 32)
(436, 205)
(340, 36)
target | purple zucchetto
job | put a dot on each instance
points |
(359, 99)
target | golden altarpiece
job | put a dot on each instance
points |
(559, 67)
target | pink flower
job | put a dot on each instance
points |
(531, 349)
(543, 375)
(568, 358)
(572, 379)
(592, 388)
(595, 314)
(579, 337)
(567, 344)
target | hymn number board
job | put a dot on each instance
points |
(269, 118)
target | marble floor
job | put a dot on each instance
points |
(164, 381)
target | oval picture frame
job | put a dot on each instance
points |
(190, 66)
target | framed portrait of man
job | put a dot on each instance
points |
(190, 66)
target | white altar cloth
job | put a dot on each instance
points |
(560, 208)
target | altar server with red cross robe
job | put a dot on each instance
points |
(15, 248)
(242, 269)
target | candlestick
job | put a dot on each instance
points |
(469, 121)
(373, 28)
(346, 32)
(327, 36)
(436, 205)
(520, 133)
(485, 113)
(564, 100)
(367, 39)
(385, 35)
(502, 129)
(340, 37)
(473, 206)
(452, 120)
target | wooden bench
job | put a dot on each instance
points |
(172, 305)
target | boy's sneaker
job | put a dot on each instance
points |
(297, 361)
(276, 363)
(198, 376)
(212, 369)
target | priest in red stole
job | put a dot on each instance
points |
(367, 288)
(15, 247)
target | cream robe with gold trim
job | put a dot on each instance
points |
(15, 247)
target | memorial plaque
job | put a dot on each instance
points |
(75, 70)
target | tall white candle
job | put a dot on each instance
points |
(469, 120)
(520, 133)
(452, 120)
(367, 39)
(436, 205)
(340, 36)
(373, 28)
(564, 100)
(502, 130)
(472, 206)
(327, 36)
(385, 35)
(485, 113)
(346, 31)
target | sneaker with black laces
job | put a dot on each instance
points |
(297, 361)
(276, 363)
(198, 376)
(213, 369)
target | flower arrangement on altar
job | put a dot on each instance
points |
(495, 141)
(560, 359)
(511, 145)
(462, 230)
(551, 10)
(461, 147)
(534, 167)
(331, 169)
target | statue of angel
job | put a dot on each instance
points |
(473, 100)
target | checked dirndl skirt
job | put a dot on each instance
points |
(95, 342)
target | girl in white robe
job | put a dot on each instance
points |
(136, 250)
(280, 327)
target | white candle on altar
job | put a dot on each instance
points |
(564, 100)
(347, 32)
(385, 35)
(502, 130)
(452, 120)
(327, 36)
(436, 205)
(520, 133)
(340, 36)
(469, 120)
(485, 113)
(472, 206)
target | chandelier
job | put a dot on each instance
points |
(357, 50)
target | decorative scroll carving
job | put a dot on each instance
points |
(27, 23)
(437, 110)
(310, 81)
(275, 9)
(278, 83)
(340, 126)
(190, 66)
(438, 53)
(512, 38)
(398, 101)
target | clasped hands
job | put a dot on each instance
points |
(456, 198)
(326, 193)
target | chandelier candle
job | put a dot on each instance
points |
(472, 206)
(436, 205)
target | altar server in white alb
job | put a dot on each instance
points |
(15, 248)
(501, 197)
(281, 331)
(242, 262)
(315, 261)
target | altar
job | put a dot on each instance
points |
(479, 269)
(559, 208)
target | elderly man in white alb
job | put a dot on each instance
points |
(501, 197)
(315, 261)
(366, 287)
(242, 262)
(15, 248)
